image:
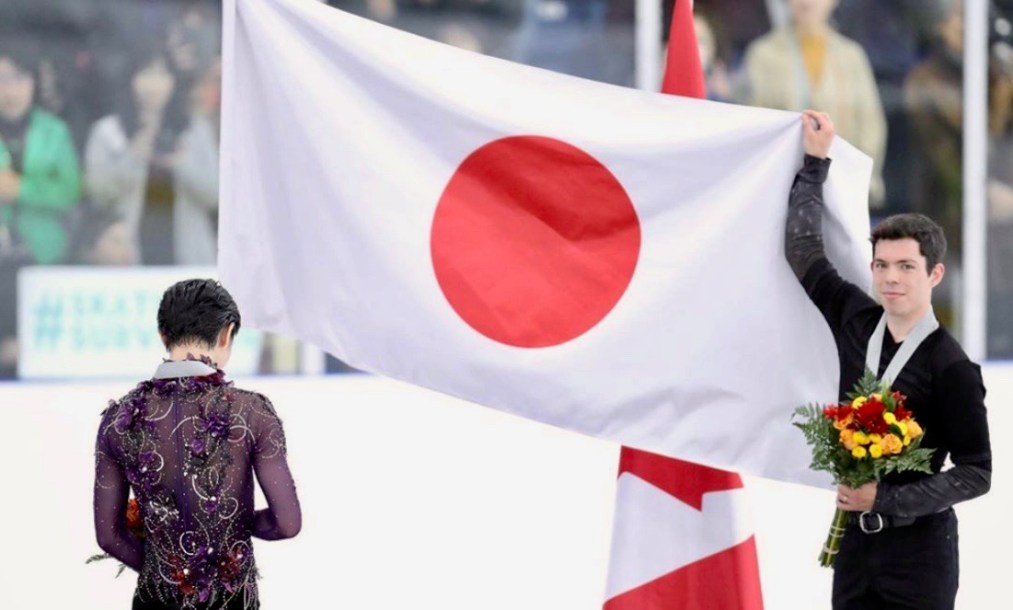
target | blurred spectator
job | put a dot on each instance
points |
(935, 105)
(39, 186)
(892, 33)
(895, 36)
(1000, 190)
(715, 71)
(192, 44)
(807, 64)
(39, 174)
(62, 32)
(384, 11)
(461, 36)
(103, 239)
(933, 97)
(192, 41)
(131, 154)
(735, 22)
(573, 37)
(195, 212)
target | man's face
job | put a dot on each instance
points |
(900, 277)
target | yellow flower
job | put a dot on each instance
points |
(907, 441)
(861, 400)
(875, 438)
(859, 452)
(889, 418)
(861, 438)
(841, 424)
(878, 396)
(876, 451)
(891, 444)
(903, 425)
(848, 439)
(913, 429)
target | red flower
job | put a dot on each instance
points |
(134, 521)
(870, 416)
(901, 413)
(830, 411)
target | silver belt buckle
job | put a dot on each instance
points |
(871, 529)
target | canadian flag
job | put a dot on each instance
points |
(680, 540)
(602, 259)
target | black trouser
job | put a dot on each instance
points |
(913, 567)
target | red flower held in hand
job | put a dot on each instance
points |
(134, 521)
(870, 417)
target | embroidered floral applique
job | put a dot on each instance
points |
(185, 446)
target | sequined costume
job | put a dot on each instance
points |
(187, 444)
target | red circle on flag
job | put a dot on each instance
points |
(534, 241)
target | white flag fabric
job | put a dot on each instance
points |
(602, 259)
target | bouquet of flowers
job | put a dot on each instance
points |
(136, 526)
(861, 441)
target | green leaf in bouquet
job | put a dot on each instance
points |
(868, 384)
(888, 402)
(98, 557)
(819, 434)
(103, 556)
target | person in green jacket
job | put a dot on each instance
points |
(40, 179)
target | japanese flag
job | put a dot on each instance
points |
(593, 257)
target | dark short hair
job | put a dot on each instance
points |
(922, 229)
(196, 311)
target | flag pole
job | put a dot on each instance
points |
(973, 330)
(648, 45)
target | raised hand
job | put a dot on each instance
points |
(817, 133)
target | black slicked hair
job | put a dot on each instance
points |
(196, 311)
(922, 229)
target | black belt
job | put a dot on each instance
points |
(872, 522)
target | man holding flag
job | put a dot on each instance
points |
(900, 548)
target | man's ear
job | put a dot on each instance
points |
(937, 274)
(225, 336)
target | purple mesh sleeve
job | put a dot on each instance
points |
(282, 518)
(111, 493)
